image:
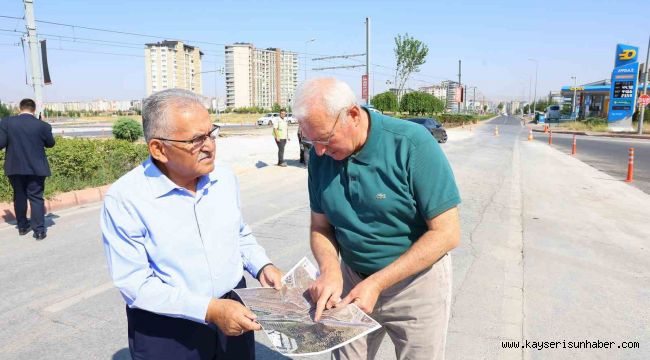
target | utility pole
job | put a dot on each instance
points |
(459, 87)
(368, 60)
(645, 89)
(535, 96)
(34, 58)
(474, 100)
(574, 113)
(306, 43)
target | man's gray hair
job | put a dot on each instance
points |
(332, 94)
(156, 108)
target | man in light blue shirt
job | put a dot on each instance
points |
(177, 244)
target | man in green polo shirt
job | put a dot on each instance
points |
(384, 198)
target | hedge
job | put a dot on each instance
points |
(81, 163)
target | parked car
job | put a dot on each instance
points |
(305, 147)
(268, 119)
(434, 127)
(553, 113)
(291, 119)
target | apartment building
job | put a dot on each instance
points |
(439, 91)
(259, 77)
(172, 64)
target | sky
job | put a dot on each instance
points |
(494, 40)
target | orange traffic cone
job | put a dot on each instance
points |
(530, 134)
(496, 131)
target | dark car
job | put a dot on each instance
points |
(434, 127)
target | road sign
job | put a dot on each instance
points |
(364, 87)
(644, 99)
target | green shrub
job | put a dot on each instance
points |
(127, 129)
(81, 163)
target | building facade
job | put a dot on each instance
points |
(259, 77)
(439, 91)
(172, 64)
(453, 96)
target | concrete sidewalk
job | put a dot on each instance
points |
(586, 245)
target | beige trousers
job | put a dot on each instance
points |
(414, 313)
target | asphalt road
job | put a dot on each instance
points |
(608, 154)
(530, 266)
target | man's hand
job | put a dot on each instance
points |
(232, 318)
(326, 291)
(364, 295)
(271, 277)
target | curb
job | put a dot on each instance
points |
(59, 202)
(595, 134)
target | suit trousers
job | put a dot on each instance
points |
(414, 313)
(29, 187)
(159, 337)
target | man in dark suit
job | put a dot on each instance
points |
(26, 166)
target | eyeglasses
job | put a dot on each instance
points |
(198, 141)
(331, 133)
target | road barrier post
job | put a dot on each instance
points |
(573, 148)
(630, 166)
(496, 131)
(530, 134)
(550, 137)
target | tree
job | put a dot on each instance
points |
(485, 107)
(420, 103)
(500, 106)
(127, 129)
(410, 54)
(276, 107)
(386, 101)
(4, 111)
(527, 108)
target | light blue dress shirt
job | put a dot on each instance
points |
(169, 251)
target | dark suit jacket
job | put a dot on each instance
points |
(26, 138)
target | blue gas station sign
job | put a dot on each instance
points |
(622, 95)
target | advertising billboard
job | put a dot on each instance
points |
(622, 94)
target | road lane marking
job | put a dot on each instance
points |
(73, 300)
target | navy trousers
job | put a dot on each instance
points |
(153, 336)
(29, 187)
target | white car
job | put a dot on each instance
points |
(291, 119)
(268, 119)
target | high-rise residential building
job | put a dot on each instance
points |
(259, 77)
(439, 91)
(172, 64)
(453, 95)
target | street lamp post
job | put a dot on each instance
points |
(307, 43)
(535, 96)
(574, 114)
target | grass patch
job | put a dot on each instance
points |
(596, 125)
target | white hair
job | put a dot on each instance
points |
(332, 94)
(155, 110)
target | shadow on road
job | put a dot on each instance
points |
(262, 352)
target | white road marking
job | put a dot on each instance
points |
(73, 300)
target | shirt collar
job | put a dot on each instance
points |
(161, 185)
(367, 152)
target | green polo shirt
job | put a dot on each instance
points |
(378, 199)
